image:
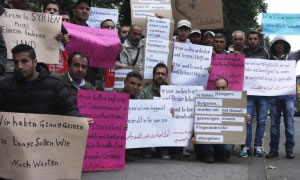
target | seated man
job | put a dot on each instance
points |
(210, 152)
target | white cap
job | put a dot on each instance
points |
(196, 31)
(185, 23)
(209, 32)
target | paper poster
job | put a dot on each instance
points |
(220, 117)
(190, 64)
(40, 146)
(284, 24)
(270, 77)
(183, 104)
(39, 30)
(140, 10)
(105, 149)
(149, 124)
(102, 46)
(97, 15)
(203, 14)
(228, 66)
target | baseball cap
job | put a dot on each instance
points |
(80, 1)
(196, 31)
(209, 32)
(183, 23)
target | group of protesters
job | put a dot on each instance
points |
(28, 86)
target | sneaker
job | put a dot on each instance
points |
(185, 153)
(244, 152)
(164, 154)
(290, 155)
(259, 152)
(272, 154)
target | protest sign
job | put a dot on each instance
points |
(97, 15)
(149, 124)
(105, 149)
(140, 9)
(203, 14)
(220, 117)
(190, 64)
(284, 24)
(36, 146)
(228, 66)
(270, 78)
(102, 46)
(32, 28)
(158, 48)
(183, 104)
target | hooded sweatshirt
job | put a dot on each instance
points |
(288, 55)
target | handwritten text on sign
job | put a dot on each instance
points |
(270, 78)
(97, 15)
(183, 104)
(35, 146)
(105, 149)
(220, 116)
(190, 64)
(285, 24)
(149, 124)
(102, 46)
(230, 67)
(35, 29)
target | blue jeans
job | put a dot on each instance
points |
(283, 104)
(260, 105)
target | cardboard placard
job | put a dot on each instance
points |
(203, 14)
(220, 117)
(97, 15)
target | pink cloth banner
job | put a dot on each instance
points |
(229, 66)
(102, 46)
(105, 149)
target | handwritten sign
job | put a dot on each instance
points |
(270, 78)
(35, 146)
(158, 48)
(97, 15)
(32, 28)
(190, 64)
(141, 9)
(230, 67)
(183, 104)
(105, 149)
(285, 24)
(203, 14)
(220, 117)
(149, 124)
(102, 46)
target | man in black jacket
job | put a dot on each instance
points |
(32, 89)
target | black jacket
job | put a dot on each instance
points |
(45, 95)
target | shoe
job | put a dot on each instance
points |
(244, 152)
(259, 152)
(272, 154)
(147, 153)
(164, 154)
(185, 153)
(290, 155)
(209, 158)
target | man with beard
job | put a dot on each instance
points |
(133, 49)
(160, 75)
(74, 79)
(81, 12)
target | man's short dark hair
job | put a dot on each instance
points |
(65, 13)
(51, 2)
(222, 78)
(252, 32)
(220, 35)
(70, 60)
(160, 65)
(24, 48)
(135, 25)
(135, 75)
(106, 20)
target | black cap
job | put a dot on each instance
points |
(79, 1)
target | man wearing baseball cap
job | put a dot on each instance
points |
(81, 12)
(208, 38)
(195, 37)
(183, 30)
